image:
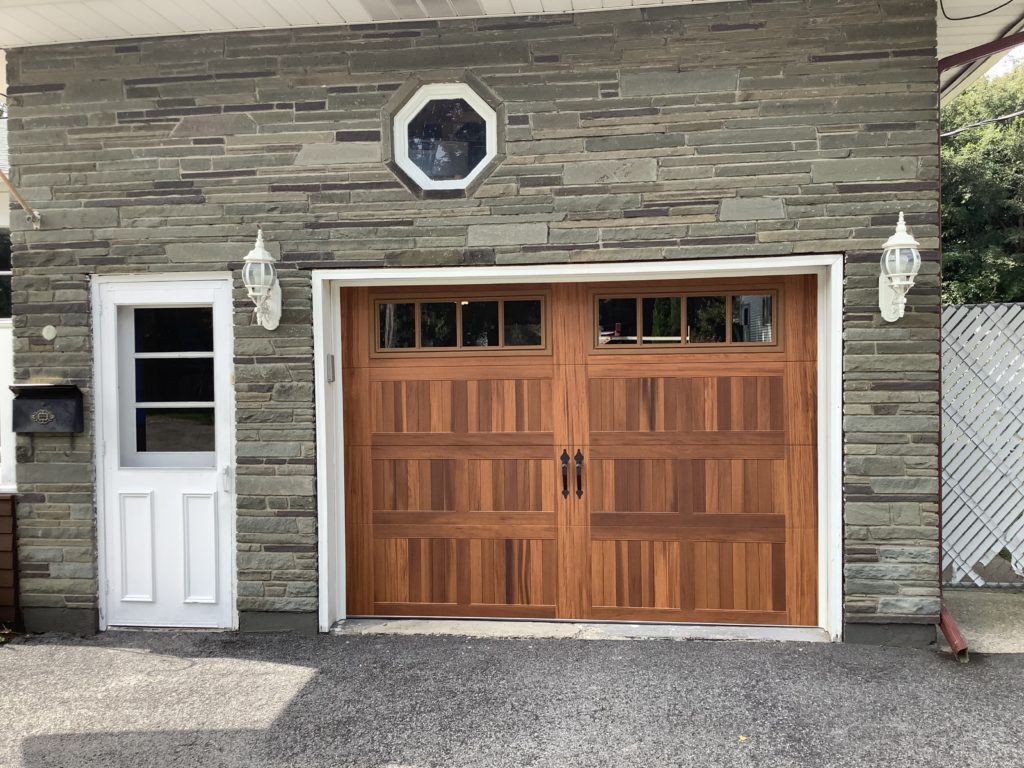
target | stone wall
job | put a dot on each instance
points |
(735, 129)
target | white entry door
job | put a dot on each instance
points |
(165, 412)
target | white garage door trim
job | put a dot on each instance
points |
(327, 343)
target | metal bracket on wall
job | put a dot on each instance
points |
(31, 214)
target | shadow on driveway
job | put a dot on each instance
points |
(182, 699)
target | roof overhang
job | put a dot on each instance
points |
(961, 33)
(52, 22)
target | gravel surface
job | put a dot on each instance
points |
(188, 699)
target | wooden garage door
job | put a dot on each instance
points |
(611, 451)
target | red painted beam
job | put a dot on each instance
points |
(981, 51)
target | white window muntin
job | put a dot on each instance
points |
(420, 99)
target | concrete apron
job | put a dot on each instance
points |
(574, 630)
(992, 620)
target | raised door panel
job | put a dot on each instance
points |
(136, 531)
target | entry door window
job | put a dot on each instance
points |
(167, 386)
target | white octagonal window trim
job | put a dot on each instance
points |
(412, 154)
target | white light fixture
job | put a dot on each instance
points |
(260, 278)
(901, 261)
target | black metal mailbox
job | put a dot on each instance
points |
(48, 408)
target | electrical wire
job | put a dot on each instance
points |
(942, 7)
(972, 126)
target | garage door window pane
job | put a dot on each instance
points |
(522, 323)
(438, 324)
(397, 326)
(752, 319)
(480, 324)
(616, 320)
(705, 319)
(662, 321)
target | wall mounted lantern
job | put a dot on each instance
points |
(901, 261)
(260, 278)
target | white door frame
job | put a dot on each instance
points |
(106, 350)
(327, 346)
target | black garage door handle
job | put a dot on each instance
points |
(565, 473)
(579, 473)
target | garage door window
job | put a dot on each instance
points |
(718, 320)
(452, 325)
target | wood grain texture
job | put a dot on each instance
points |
(699, 473)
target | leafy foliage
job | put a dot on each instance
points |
(983, 194)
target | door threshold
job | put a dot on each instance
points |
(569, 630)
(162, 628)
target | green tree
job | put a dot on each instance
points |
(983, 194)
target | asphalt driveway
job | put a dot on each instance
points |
(154, 699)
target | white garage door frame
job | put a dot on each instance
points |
(327, 341)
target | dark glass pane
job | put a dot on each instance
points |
(397, 326)
(447, 139)
(5, 251)
(174, 380)
(480, 324)
(174, 429)
(705, 319)
(5, 296)
(437, 324)
(616, 319)
(522, 323)
(752, 318)
(662, 321)
(174, 329)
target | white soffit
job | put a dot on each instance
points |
(960, 34)
(47, 22)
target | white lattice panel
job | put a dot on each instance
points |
(983, 439)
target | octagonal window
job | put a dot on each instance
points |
(445, 136)
(447, 139)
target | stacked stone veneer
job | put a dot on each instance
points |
(735, 129)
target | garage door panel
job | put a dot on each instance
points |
(687, 486)
(686, 404)
(473, 406)
(410, 570)
(511, 484)
(606, 447)
(770, 529)
(637, 574)
(512, 572)
(692, 616)
(414, 484)
(640, 442)
(508, 405)
(456, 575)
(412, 406)
(737, 576)
(510, 445)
